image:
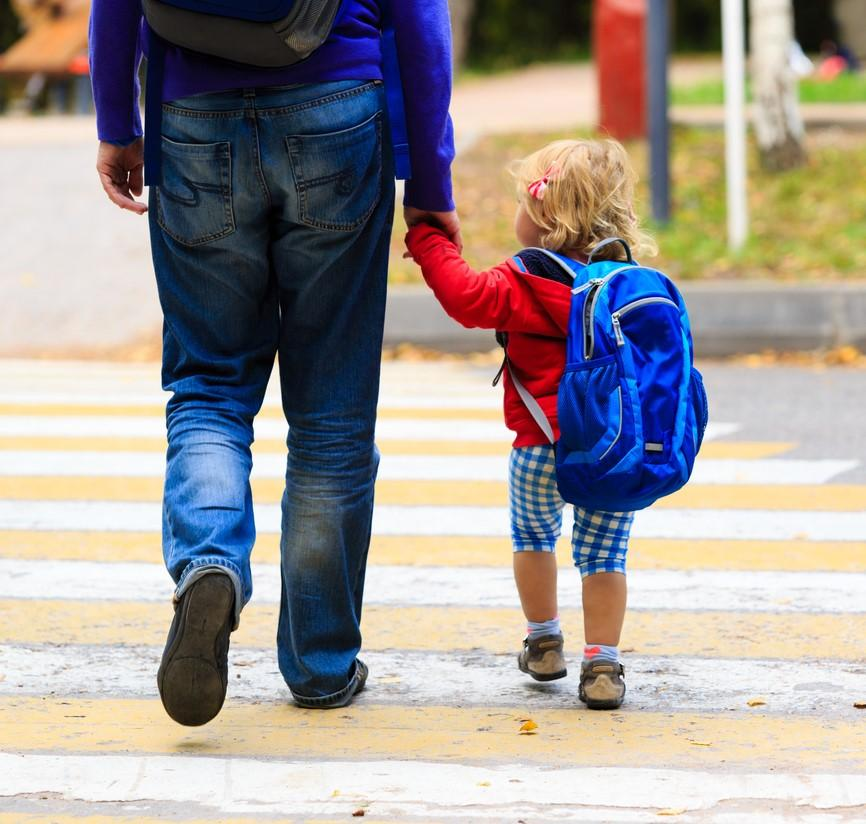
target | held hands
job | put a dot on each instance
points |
(448, 222)
(121, 172)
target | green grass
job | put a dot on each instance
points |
(805, 225)
(846, 88)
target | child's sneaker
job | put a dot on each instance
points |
(602, 684)
(543, 658)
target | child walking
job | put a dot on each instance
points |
(572, 194)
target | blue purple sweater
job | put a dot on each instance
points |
(118, 36)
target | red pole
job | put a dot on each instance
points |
(619, 44)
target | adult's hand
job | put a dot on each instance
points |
(121, 172)
(448, 222)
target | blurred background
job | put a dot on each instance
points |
(76, 272)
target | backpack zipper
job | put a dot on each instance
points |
(597, 284)
(635, 304)
(588, 310)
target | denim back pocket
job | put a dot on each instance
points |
(194, 200)
(338, 176)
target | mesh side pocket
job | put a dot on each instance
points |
(701, 406)
(310, 25)
(590, 408)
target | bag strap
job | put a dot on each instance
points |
(394, 95)
(532, 405)
(153, 110)
(559, 260)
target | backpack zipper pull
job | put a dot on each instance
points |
(617, 329)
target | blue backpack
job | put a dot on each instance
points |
(261, 33)
(632, 407)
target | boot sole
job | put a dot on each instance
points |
(611, 701)
(190, 685)
(541, 676)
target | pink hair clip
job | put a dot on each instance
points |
(538, 187)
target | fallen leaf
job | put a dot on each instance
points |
(860, 705)
(672, 811)
(756, 702)
(359, 813)
(483, 783)
(700, 743)
(335, 793)
(528, 727)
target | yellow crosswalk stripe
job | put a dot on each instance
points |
(731, 450)
(423, 550)
(823, 497)
(472, 734)
(497, 630)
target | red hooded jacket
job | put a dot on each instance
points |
(532, 310)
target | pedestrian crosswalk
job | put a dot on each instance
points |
(743, 640)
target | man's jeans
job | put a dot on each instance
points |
(270, 235)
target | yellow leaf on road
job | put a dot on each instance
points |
(756, 702)
(528, 727)
(672, 811)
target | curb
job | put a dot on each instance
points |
(728, 318)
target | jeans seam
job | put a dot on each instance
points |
(319, 101)
(321, 700)
(205, 566)
(257, 156)
(298, 107)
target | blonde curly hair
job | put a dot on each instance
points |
(589, 196)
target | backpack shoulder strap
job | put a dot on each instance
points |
(547, 264)
(532, 405)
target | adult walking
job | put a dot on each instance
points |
(270, 232)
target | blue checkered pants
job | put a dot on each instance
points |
(599, 540)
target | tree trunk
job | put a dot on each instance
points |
(778, 126)
(461, 21)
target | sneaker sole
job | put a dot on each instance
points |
(189, 680)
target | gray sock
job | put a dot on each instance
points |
(537, 629)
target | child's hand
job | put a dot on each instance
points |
(448, 222)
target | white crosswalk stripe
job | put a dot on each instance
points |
(456, 586)
(413, 788)
(668, 683)
(459, 520)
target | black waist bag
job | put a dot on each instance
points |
(260, 33)
(264, 33)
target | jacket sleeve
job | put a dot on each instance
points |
(423, 32)
(114, 60)
(496, 298)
